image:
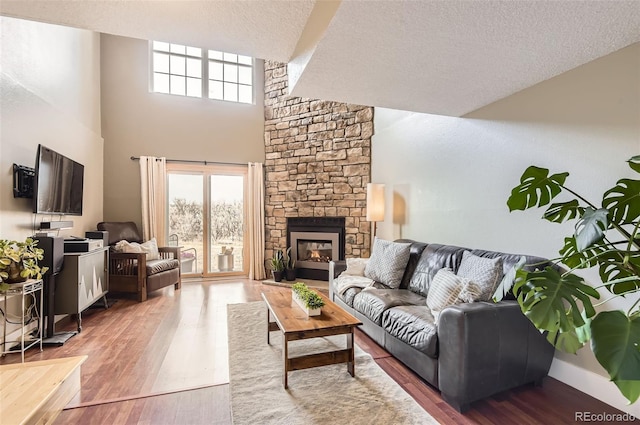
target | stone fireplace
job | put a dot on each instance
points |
(314, 241)
(317, 165)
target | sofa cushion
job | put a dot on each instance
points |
(414, 257)
(484, 272)
(448, 289)
(388, 262)
(351, 293)
(433, 258)
(159, 266)
(415, 326)
(373, 302)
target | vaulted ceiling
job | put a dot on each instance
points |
(443, 57)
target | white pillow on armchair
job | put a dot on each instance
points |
(150, 248)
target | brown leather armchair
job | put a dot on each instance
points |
(132, 272)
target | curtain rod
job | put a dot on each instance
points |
(190, 161)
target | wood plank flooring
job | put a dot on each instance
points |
(165, 361)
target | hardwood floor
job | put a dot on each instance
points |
(165, 361)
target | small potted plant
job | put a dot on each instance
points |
(19, 261)
(289, 265)
(307, 299)
(277, 265)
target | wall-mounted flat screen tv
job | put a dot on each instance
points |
(58, 184)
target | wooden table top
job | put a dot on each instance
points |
(291, 318)
(25, 387)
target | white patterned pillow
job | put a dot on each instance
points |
(484, 272)
(388, 261)
(356, 266)
(448, 289)
(150, 248)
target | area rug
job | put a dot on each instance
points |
(322, 395)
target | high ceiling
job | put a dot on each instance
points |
(445, 57)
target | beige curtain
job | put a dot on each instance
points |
(153, 190)
(255, 221)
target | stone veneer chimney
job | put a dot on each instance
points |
(318, 162)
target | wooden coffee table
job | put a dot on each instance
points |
(295, 325)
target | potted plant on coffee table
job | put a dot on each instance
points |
(307, 299)
(277, 265)
(19, 261)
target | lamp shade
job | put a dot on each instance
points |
(375, 202)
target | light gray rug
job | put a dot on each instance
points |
(323, 395)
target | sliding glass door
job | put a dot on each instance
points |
(206, 217)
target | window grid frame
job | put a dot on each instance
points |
(186, 77)
(237, 83)
(205, 79)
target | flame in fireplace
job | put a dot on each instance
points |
(315, 254)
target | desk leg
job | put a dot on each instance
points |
(351, 363)
(285, 359)
(4, 328)
(22, 332)
(40, 313)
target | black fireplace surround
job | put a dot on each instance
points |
(304, 228)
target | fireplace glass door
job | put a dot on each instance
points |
(318, 251)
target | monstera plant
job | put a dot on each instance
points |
(560, 302)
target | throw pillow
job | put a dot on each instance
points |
(387, 263)
(356, 266)
(126, 246)
(448, 289)
(150, 248)
(484, 272)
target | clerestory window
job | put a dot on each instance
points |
(179, 70)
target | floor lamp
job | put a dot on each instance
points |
(375, 207)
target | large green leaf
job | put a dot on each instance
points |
(549, 299)
(590, 229)
(508, 279)
(629, 389)
(562, 211)
(536, 188)
(623, 201)
(634, 163)
(618, 264)
(573, 339)
(565, 341)
(576, 259)
(615, 342)
(584, 332)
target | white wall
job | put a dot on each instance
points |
(448, 179)
(138, 122)
(49, 94)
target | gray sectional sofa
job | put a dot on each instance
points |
(472, 350)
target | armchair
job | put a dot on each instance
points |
(132, 272)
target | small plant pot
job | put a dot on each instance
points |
(277, 276)
(290, 274)
(295, 299)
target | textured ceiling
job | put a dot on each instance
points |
(263, 29)
(445, 57)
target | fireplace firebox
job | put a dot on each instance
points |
(314, 241)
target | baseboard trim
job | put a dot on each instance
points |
(593, 384)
